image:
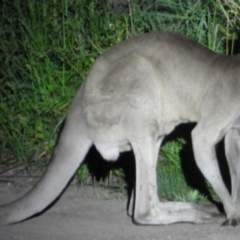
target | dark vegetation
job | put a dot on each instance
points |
(46, 50)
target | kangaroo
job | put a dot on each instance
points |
(134, 95)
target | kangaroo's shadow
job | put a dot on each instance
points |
(100, 168)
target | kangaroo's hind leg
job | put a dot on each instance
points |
(232, 150)
(148, 210)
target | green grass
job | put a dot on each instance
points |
(47, 48)
(171, 182)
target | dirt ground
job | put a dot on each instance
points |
(97, 214)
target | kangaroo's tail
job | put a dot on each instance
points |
(69, 153)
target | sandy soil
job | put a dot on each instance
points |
(97, 214)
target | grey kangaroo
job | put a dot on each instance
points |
(134, 95)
